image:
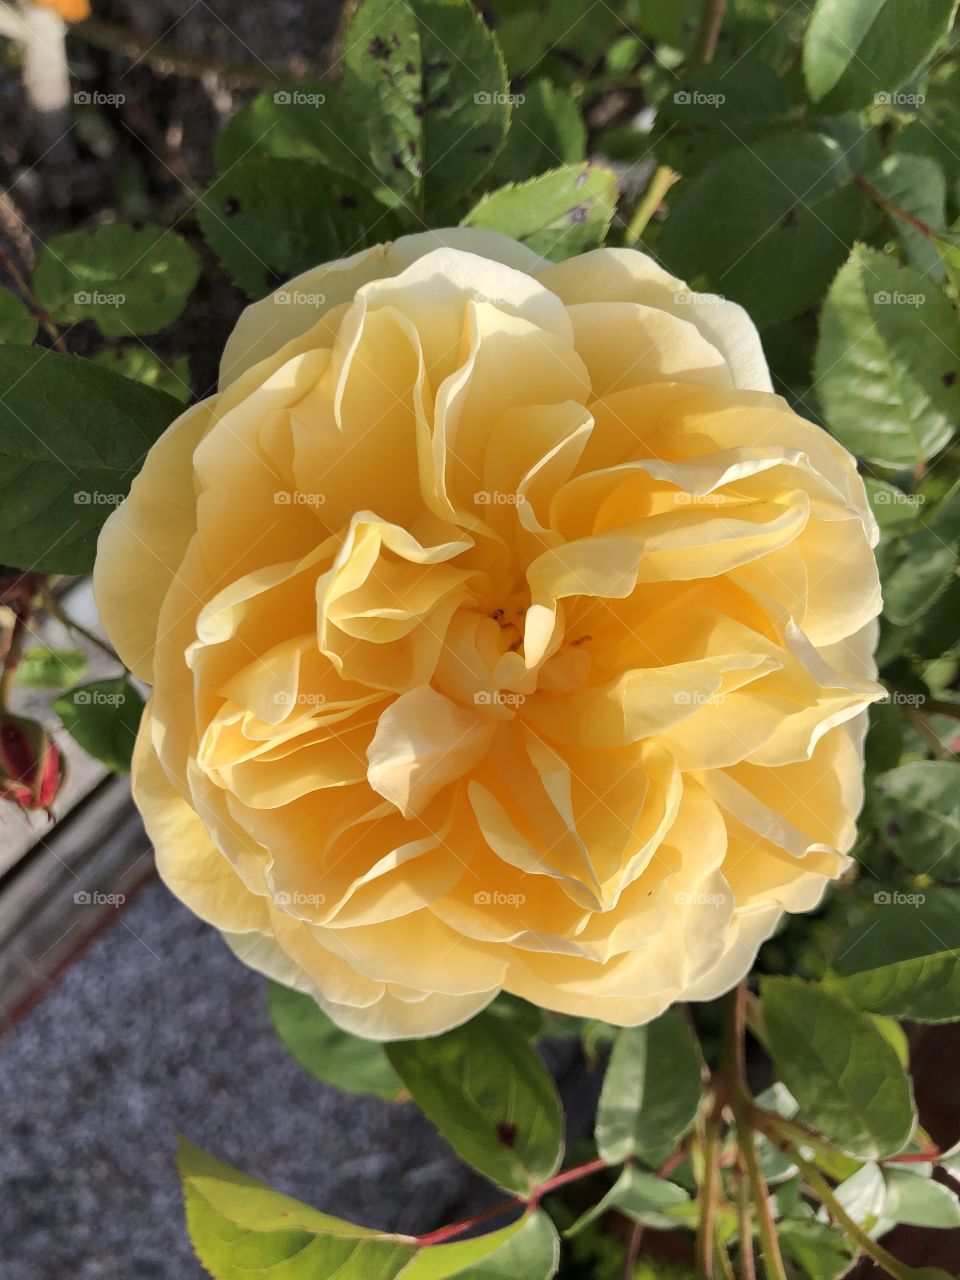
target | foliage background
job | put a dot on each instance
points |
(805, 162)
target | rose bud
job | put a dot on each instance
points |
(31, 766)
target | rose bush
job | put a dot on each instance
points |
(505, 632)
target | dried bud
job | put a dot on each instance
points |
(31, 766)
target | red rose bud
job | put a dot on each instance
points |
(31, 766)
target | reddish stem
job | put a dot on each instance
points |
(531, 1202)
(890, 207)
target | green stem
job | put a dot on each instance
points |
(734, 1060)
(824, 1193)
(769, 1244)
(55, 610)
(658, 186)
(709, 1190)
(708, 33)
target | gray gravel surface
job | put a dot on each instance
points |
(157, 1029)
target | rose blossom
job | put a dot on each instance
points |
(505, 631)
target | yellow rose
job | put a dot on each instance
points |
(505, 631)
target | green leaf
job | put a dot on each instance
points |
(17, 325)
(651, 1090)
(888, 361)
(919, 810)
(127, 279)
(269, 219)
(924, 570)
(903, 957)
(855, 50)
(845, 1076)
(821, 1252)
(561, 213)
(140, 363)
(241, 1230)
(918, 1201)
(529, 1247)
(767, 225)
(643, 1197)
(435, 78)
(915, 184)
(716, 109)
(935, 132)
(319, 1045)
(490, 1096)
(51, 668)
(72, 437)
(863, 1195)
(103, 717)
(546, 131)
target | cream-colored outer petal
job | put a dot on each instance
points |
(143, 541)
(627, 275)
(290, 311)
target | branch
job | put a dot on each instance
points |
(888, 206)
(708, 33)
(42, 316)
(824, 1193)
